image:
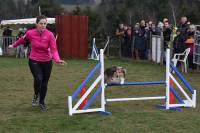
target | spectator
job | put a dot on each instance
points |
(154, 29)
(20, 48)
(190, 44)
(120, 35)
(140, 41)
(183, 27)
(148, 30)
(126, 48)
(7, 33)
(166, 34)
(165, 20)
(160, 28)
(178, 43)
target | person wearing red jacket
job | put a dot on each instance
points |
(190, 44)
(43, 50)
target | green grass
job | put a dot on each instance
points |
(18, 116)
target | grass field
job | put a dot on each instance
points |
(18, 116)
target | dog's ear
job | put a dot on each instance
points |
(124, 70)
(115, 75)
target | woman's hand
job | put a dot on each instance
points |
(10, 46)
(62, 62)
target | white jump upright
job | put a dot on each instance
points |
(167, 78)
(94, 54)
(188, 101)
(74, 109)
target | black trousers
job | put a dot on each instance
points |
(41, 72)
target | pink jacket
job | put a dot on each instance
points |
(43, 45)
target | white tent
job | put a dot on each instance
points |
(25, 21)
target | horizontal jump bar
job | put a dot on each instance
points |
(137, 83)
(88, 110)
(135, 99)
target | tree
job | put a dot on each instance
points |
(77, 11)
(50, 8)
(94, 21)
(8, 9)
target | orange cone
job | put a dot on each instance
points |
(85, 100)
(172, 98)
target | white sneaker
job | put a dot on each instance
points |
(35, 100)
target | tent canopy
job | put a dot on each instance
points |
(25, 21)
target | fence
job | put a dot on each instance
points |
(156, 48)
(72, 36)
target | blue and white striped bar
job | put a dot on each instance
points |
(178, 97)
(92, 73)
(189, 87)
(137, 83)
(93, 98)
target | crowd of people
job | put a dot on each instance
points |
(135, 40)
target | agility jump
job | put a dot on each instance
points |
(95, 53)
(188, 101)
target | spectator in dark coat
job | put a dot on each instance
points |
(178, 43)
(7, 40)
(127, 41)
(183, 27)
(167, 31)
(140, 41)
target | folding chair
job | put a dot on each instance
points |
(182, 58)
